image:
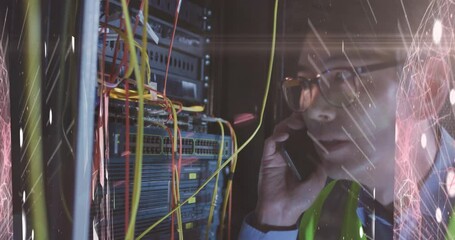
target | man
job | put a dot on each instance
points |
(356, 70)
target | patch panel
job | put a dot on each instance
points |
(180, 63)
(155, 203)
(156, 180)
(187, 146)
(190, 13)
(200, 145)
(152, 116)
(187, 62)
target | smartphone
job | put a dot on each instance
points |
(300, 154)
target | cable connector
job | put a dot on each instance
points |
(150, 31)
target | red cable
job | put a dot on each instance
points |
(125, 47)
(173, 181)
(101, 122)
(177, 10)
(231, 129)
(179, 161)
(127, 127)
(117, 47)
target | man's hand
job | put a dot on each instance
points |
(281, 196)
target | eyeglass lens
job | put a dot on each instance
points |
(337, 86)
(340, 88)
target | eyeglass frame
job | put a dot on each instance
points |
(355, 71)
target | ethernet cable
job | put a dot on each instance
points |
(261, 117)
(140, 128)
(215, 188)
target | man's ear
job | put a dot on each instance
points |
(426, 90)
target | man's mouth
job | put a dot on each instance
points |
(334, 145)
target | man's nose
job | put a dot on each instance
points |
(321, 111)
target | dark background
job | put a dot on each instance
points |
(245, 39)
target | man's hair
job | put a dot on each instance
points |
(389, 23)
(355, 17)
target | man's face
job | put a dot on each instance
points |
(359, 139)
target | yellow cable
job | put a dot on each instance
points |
(33, 90)
(229, 183)
(261, 117)
(215, 188)
(174, 143)
(120, 94)
(179, 212)
(140, 128)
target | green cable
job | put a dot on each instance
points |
(261, 117)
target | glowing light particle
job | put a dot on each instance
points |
(73, 42)
(33, 235)
(423, 140)
(437, 31)
(361, 231)
(24, 225)
(450, 182)
(452, 96)
(50, 116)
(438, 215)
(21, 137)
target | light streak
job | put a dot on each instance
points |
(356, 73)
(450, 183)
(23, 27)
(372, 12)
(358, 127)
(313, 138)
(52, 55)
(313, 64)
(315, 32)
(355, 143)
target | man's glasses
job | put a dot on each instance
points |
(338, 86)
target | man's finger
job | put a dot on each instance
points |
(270, 145)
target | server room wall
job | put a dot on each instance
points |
(246, 50)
